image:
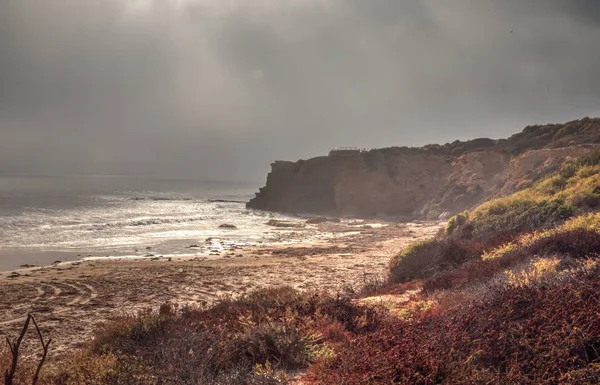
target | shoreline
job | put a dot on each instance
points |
(72, 299)
(213, 247)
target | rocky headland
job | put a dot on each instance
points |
(425, 182)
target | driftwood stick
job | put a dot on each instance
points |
(45, 347)
(14, 350)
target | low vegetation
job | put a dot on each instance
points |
(571, 192)
(256, 339)
(507, 295)
(530, 334)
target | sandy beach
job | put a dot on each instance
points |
(71, 299)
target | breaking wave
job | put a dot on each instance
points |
(120, 223)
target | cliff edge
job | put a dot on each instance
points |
(423, 182)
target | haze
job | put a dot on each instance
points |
(216, 89)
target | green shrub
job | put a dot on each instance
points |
(457, 221)
(520, 215)
(592, 159)
(423, 259)
(551, 185)
(568, 170)
(587, 171)
(574, 190)
(413, 260)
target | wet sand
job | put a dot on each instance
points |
(71, 299)
(11, 259)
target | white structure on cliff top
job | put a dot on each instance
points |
(345, 151)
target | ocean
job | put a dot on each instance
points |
(71, 217)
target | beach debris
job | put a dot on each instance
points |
(57, 262)
(286, 224)
(192, 247)
(14, 274)
(27, 266)
(317, 220)
(228, 226)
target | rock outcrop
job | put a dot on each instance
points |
(427, 181)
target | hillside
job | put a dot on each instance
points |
(424, 182)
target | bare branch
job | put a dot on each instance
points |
(14, 349)
(9, 345)
(45, 347)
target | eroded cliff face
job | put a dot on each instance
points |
(424, 182)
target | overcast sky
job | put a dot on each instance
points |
(217, 89)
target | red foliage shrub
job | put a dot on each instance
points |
(225, 343)
(578, 243)
(527, 335)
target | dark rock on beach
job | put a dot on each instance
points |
(285, 224)
(317, 220)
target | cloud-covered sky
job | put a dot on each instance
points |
(217, 89)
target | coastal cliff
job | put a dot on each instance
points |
(424, 182)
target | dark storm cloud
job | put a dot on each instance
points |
(218, 89)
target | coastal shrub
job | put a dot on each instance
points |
(586, 194)
(568, 170)
(249, 340)
(426, 258)
(84, 368)
(413, 260)
(456, 221)
(540, 269)
(548, 203)
(528, 334)
(577, 238)
(592, 159)
(587, 171)
(128, 332)
(572, 191)
(515, 215)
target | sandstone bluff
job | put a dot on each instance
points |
(423, 182)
